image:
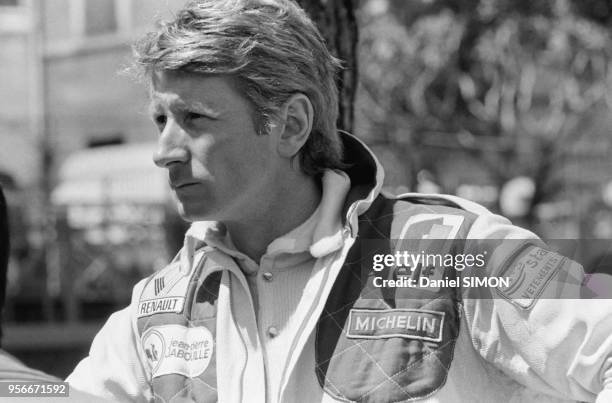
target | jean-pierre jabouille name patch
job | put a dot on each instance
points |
(418, 324)
(529, 272)
(175, 349)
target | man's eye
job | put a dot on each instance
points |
(193, 116)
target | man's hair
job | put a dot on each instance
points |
(271, 47)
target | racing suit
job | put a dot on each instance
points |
(191, 331)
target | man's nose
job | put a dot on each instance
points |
(171, 146)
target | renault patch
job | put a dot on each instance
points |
(160, 305)
(420, 324)
(167, 282)
(164, 292)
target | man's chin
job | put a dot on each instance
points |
(192, 215)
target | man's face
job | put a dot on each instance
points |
(216, 162)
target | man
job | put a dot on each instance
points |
(278, 293)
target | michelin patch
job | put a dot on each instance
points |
(529, 273)
(418, 324)
(176, 349)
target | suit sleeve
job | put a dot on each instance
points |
(540, 332)
(114, 368)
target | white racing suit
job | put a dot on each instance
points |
(190, 333)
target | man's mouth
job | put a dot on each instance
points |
(178, 186)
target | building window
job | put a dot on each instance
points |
(100, 17)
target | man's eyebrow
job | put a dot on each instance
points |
(200, 107)
(156, 105)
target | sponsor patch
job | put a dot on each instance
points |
(160, 284)
(168, 282)
(175, 349)
(154, 347)
(429, 231)
(442, 226)
(420, 324)
(160, 305)
(529, 273)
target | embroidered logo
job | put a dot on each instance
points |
(159, 285)
(166, 281)
(420, 324)
(165, 292)
(176, 349)
(154, 346)
(440, 226)
(160, 305)
(429, 232)
(529, 273)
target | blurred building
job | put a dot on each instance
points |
(60, 79)
(18, 156)
(62, 93)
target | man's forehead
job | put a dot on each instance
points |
(180, 88)
(165, 84)
(160, 79)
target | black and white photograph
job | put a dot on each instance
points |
(306, 201)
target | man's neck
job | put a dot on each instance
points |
(277, 215)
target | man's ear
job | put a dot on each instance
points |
(297, 114)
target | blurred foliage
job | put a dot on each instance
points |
(596, 10)
(510, 82)
(337, 23)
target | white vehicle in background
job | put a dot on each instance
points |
(116, 223)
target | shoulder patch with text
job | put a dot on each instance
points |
(165, 292)
(176, 349)
(529, 273)
(420, 324)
